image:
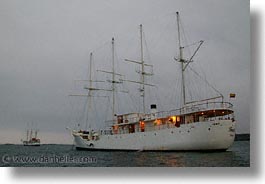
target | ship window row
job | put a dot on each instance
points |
(158, 124)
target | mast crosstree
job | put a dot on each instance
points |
(90, 89)
(142, 71)
(184, 63)
(113, 81)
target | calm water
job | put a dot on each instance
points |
(65, 156)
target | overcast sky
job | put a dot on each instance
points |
(45, 46)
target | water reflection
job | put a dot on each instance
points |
(174, 159)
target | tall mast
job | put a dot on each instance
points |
(36, 132)
(142, 65)
(27, 135)
(90, 73)
(182, 61)
(142, 71)
(30, 136)
(90, 87)
(113, 79)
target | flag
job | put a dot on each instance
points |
(232, 95)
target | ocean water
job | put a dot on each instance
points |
(65, 156)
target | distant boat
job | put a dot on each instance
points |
(204, 124)
(30, 139)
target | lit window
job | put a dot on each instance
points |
(158, 122)
(172, 119)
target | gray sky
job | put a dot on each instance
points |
(45, 46)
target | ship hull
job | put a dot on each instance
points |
(214, 135)
(31, 144)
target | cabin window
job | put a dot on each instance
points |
(201, 118)
(142, 126)
(157, 122)
(177, 124)
(189, 119)
(85, 137)
(115, 129)
(120, 119)
(172, 119)
(131, 128)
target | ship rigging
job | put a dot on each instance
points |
(203, 124)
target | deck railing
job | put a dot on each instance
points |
(192, 108)
(187, 109)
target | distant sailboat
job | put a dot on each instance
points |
(31, 140)
(207, 124)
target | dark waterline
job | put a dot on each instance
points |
(65, 156)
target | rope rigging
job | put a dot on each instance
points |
(131, 97)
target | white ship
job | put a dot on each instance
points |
(31, 140)
(207, 124)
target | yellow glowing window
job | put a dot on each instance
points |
(158, 121)
(172, 119)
